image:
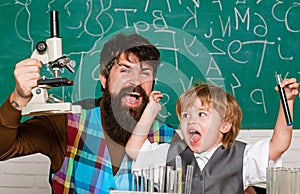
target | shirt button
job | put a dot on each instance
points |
(201, 177)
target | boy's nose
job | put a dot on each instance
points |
(192, 122)
(193, 119)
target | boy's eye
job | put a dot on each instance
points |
(184, 115)
(202, 114)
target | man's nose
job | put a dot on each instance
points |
(135, 80)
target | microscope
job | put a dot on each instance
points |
(50, 53)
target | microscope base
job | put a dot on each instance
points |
(50, 108)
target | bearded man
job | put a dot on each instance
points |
(87, 150)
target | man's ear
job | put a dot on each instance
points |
(102, 80)
(226, 127)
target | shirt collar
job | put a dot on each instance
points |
(207, 154)
(203, 157)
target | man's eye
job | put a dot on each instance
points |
(124, 70)
(147, 73)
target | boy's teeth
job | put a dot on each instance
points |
(192, 132)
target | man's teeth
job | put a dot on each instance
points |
(134, 94)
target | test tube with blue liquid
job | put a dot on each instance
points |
(285, 105)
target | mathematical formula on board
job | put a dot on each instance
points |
(237, 45)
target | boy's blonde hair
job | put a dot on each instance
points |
(216, 98)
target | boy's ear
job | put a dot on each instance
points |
(102, 80)
(226, 127)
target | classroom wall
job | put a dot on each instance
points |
(29, 175)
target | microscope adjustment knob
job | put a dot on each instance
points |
(41, 46)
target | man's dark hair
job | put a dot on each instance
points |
(131, 44)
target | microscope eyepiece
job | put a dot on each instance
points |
(54, 24)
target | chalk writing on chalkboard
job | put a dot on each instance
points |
(238, 45)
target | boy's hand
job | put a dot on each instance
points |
(291, 88)
(155, 96)
(154, 104)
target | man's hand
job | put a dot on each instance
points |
(27, 73)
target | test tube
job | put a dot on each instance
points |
(135, 180)
(284, 100)
(171, 177)
(178, 174)
(296, 180)
(285, 183)
(274, 180)
(151, 178)
(144, 185)
(161, 178)
(188, 179)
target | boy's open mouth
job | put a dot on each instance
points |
(195, 136)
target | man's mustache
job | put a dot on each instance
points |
(130, 89)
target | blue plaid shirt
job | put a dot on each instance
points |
(87, 166)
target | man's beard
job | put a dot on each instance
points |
(120, 120)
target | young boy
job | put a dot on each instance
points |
(210, 122)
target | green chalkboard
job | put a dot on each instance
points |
(238, 45)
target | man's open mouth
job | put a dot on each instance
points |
(132, 99)
(134, 95)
